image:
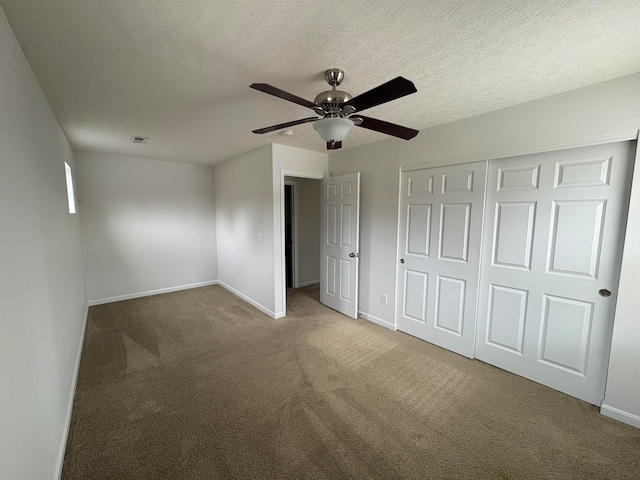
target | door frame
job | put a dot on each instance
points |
(283, 262)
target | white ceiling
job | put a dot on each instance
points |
(178, 71)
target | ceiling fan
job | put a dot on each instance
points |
(338, 111)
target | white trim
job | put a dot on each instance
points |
(129, 296)
(295, 173)
(620, 415)
(307, 283)
(377, 320)
(396, 292)
(581, 142)
(72, 396)
(250, 300)
(445, 163)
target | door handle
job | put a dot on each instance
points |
(402, 260)
(352, 255)
(603, 292)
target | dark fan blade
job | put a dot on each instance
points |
(386, 127)
(334, 145)
(393, 89)
(285, 125)
(276, 92)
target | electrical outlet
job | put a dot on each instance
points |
(383, 299)
(259, 236)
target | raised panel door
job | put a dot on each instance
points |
(555, 242)
(440, 231)
(339, 247)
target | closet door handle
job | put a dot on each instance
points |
(402, 260)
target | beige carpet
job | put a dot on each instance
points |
(200, 385)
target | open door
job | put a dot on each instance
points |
(340, 240)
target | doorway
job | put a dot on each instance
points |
(301, 231)
(288, 234)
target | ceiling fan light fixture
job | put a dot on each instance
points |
(337, 108)
(333, 129)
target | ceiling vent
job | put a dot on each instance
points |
(139, 139)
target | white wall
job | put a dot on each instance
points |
(574, 118)
(244, 210)
(42, 305)
(307, 229)
(148, 226)
(296, 162)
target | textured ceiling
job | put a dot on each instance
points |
(179, 71)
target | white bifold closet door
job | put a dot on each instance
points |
(551, 259)
(440, 232)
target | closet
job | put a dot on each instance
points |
(520, 269)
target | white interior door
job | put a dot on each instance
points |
(441, 211)
(339, 247)
(551, 255)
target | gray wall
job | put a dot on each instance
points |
(244, 218)
(42, 304)
(147, 225)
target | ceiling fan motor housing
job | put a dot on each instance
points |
(331, 101)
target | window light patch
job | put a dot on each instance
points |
(70, 194)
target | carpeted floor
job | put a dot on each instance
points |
(199, 385)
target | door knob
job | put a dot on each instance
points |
(352, 254)
(402, 260)
(603, 292)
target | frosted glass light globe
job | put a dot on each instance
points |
(333, 129)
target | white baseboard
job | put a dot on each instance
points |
(130, 296)
(620, 415)
(379, 321)
(250, 300)
(72, 396)
(306, 284)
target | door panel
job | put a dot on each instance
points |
(440, 230)
(450, 304)
(556, 240)
(419, 230)
(570, 220)
(513, 234)
(330, 275)
(339, 248)
(506, 318)
(566, 327)
(415, 296)
(454, 231)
